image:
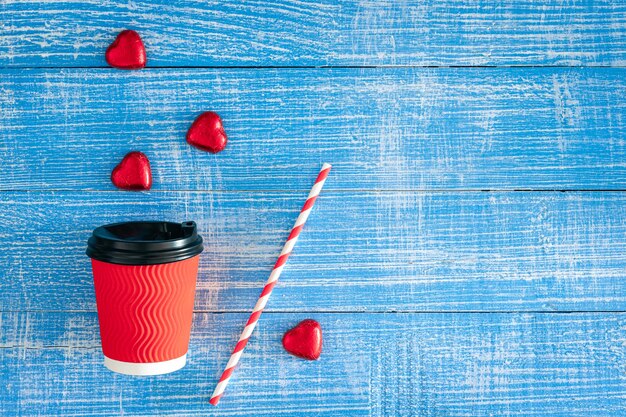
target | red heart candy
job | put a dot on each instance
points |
(133, 173)
(126, 51)
(304, 340)
(207, 133)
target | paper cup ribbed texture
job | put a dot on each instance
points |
(145, 314)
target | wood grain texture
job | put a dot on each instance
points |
(364, 251)
(372, 365)
(382, 129)
(252, 33)
(436, 299)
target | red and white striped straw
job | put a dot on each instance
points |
(269, 285)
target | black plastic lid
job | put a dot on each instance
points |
(144, 243)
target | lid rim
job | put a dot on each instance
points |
(107, 246)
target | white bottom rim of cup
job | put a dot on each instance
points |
(151, 368)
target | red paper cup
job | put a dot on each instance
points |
(145, 281)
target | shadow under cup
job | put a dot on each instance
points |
(145, 282)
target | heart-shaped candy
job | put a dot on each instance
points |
(207, 133)
(304, 340)
(133, 173)
(126, 51)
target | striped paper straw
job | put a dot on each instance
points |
(269, 285)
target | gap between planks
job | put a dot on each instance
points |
(329, 190)
(373, 312)
(263, 67)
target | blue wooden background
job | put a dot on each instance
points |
(467, 258)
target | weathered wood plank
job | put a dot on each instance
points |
(502, 251)
(381, 128)
(251, 33)
(372, 364)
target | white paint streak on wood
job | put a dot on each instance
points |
(513, 364)
(363, 251)
(384, 129)
(292, 32)
(379, 245)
